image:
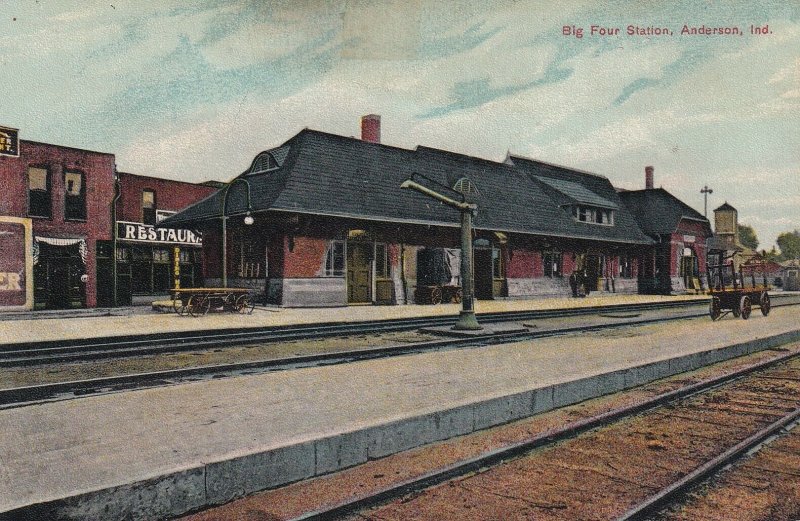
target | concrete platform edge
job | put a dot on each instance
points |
(214, 483)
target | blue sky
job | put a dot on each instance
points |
(193, 90)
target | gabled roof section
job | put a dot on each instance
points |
(578, 193)
(658, 212)
(562, 182)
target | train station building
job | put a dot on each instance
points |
(321, 220)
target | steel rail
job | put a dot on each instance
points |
(25, 395)
(144, 346)
(665, 496)
(514, 450)
(316, 330)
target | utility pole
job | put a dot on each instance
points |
(705, 191)
(466, 319)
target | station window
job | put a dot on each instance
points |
(334, 260)
(148, 207)
(251, 260)
(588, 214)
(625, 266)
(74, 196)
(497, 264)
(39, 196)
(381, 261)
(552, 262)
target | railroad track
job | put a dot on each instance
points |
(26, 395)
(626, 464)
(119, 346)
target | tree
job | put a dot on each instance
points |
(747, 236)
(789, 243)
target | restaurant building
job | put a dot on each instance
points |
(150, 261)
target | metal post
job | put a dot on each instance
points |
(705, 191)
(467, 319)
(225, 225)
(225, 249)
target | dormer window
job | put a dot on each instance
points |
(263, 163)
(589, 214)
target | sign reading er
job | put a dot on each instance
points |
(13, 273)
(138, 232)
(9, 142)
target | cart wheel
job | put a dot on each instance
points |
(245, 304)
(745, 307)
(177, 305)
(736, 310)
(198, 305)
(714, 309)
(436, 296)
(765, 303)
(457, 296)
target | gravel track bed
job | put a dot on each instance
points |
(602, 474)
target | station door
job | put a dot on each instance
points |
(359, 272)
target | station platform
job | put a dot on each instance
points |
(119, 322)
(160, 452)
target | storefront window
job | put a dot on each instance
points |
(160, 255)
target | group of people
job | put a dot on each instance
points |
(579, 283)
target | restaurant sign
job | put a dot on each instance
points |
(9, 142)
(138, 232)
(16, 264)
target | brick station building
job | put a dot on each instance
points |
(331, 225)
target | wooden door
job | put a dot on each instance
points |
(359, 272)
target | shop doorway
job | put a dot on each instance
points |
(359, 272)
(57, 277)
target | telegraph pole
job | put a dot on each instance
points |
(705, 191)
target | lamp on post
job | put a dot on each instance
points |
(466, 319)
(248, 220)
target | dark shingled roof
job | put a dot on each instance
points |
(330, 175)
(658, 212)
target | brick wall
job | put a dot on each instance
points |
(170, 195)
(98, 170)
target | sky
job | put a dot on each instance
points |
(193, 90)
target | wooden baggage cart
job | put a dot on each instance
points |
(736, 293)
(199, 301)
(437, 294)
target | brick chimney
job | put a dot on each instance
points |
(648, 177)
(371, 128)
